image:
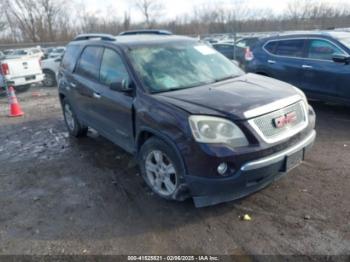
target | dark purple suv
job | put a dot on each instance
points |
(197, 124)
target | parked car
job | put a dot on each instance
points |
(243, 47)
(236, 51)
(50, 68)
(8, 52)
(47, 51)
(226, 49)
(33, 52)
(316, 62)
(198, 125)
(56, 52)
(20, 72)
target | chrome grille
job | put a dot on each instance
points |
(265, 125)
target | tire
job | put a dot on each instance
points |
(162, 169)
(75, 128)
(23, 88)
(2, 91)
(50, 79)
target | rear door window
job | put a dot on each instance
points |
(89, 62)
(290, 48)
(112, 68)
(322, 50)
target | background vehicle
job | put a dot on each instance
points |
(47, 51)
(33, 52)
(8, 52)
(226, 49)
(198, 125)
(236, 51)
(316, 62)
(21, 72)
(56, 52)
(50, 68)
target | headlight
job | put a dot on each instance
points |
(208, 129)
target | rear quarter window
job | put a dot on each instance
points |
(70, 57)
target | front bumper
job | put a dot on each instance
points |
(251, 177)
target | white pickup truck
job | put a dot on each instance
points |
(20, 72)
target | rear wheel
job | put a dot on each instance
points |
(162, 170)
(50, 79)
(23, 88)
(74, 127)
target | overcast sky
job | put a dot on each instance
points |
(174, 8)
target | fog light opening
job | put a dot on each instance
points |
(222, 168)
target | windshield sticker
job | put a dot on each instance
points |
(204, 50)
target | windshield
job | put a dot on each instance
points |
(178, 66)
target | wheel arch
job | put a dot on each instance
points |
(262, 73)
(146, 133)
(48, 70)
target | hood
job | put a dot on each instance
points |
(230, 98)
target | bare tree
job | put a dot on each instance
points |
(150, 9)
(50, 20)
(3, 22)
(127, 21)
(38, 20)
(52, 10)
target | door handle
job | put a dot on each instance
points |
(306, 66)
(271, 61)
(96, 95)
(72, 85)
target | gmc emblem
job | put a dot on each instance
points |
(284, 120)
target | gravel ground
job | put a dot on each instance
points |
(59, 195)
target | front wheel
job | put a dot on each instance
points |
(74, 127)
(162, 170)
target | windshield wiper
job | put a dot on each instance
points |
(225, 78)
(186, 87)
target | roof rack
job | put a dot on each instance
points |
(105, 37)
(147, 32)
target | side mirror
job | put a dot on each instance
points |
(344, 59)
(120, 86)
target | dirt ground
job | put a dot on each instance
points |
(59, 195)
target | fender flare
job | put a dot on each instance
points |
(165, 138)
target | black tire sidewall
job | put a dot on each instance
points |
(78, 130)
(22, 88)
(51, 75)
(158, 144)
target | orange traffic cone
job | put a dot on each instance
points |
(15, 109)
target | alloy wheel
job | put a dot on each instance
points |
(161, 173)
